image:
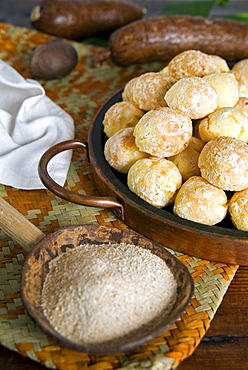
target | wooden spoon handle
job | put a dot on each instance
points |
(15, 225)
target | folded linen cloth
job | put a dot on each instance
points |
(30, 123)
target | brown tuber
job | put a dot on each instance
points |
(54, 59)
(161, 38)
(79, 19)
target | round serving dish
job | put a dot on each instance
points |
(222, 242)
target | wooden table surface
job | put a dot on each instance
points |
(224, 346)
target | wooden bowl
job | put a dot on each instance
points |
(36, 267)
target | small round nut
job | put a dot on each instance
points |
(53, 60)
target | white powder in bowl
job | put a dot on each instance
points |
(96, 294)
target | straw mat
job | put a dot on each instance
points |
(81, 94)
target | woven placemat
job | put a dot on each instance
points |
(81, 94)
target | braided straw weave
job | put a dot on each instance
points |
(81, 93)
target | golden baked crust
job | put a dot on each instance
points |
(127, 94)
(238, 209)
(240, 71)
(201, 202)
(242, 105)
(229, 122)
(193, 97)
(165, 70)
(192, 63)
(226, 86)
(148, 90)
(187, 160)
(121, 115)
(224, 163)
(155, 180)
(163, 132)
(222, 63)
(121, 151)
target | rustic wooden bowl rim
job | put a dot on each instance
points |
(35, 261)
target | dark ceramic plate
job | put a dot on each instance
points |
(222, 242)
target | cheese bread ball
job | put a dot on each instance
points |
(192, 63)
(121, 151)
(201, 202)
(224, 122)
(127, 94)
(242, 105)
(238, 209)
(121, 115)
(187, 160)
(148, 90)
(226, 86)
(215, 64)
(163, 132)
(165, 70)
(155, 180)
(193, 97)
(222, 63)
(224, 163)
(240, 71)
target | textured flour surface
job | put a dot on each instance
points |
(100, 293)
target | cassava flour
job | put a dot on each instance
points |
(96, 294)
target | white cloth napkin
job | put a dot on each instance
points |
(30, 123)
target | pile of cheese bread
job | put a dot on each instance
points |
(180, 135)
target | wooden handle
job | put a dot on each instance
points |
(15, 225)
